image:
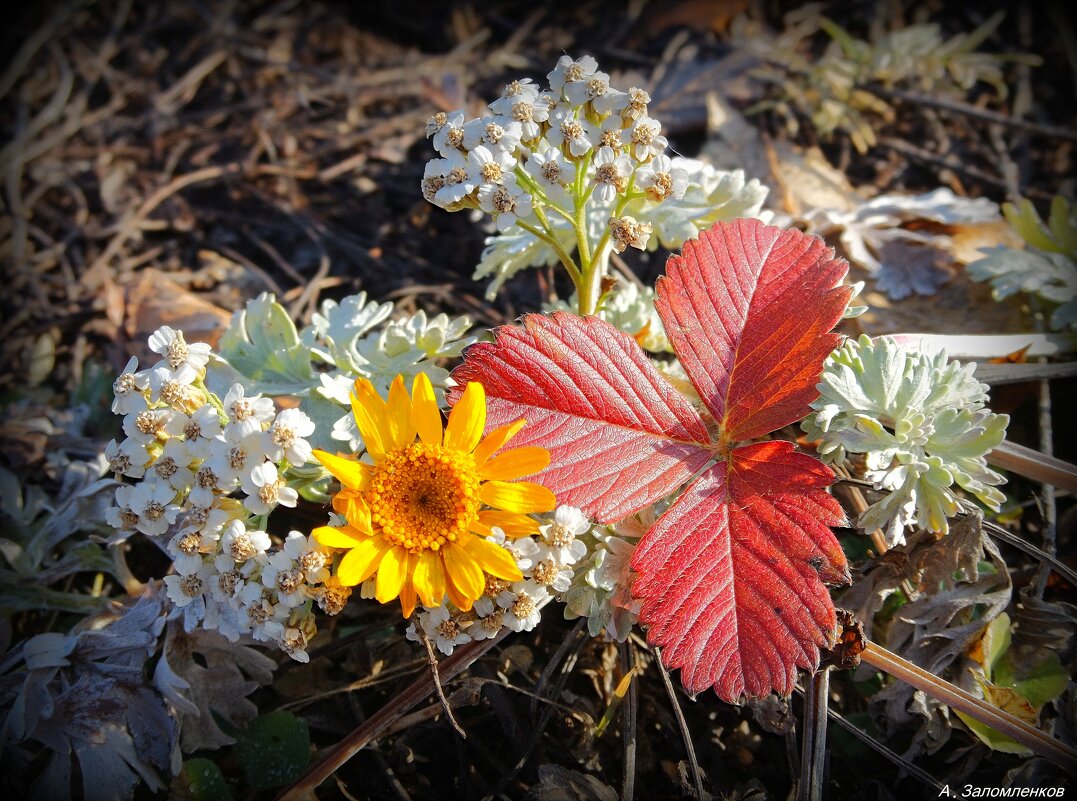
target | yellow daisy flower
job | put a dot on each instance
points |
(418, 515)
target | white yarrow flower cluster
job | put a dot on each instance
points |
(207, 472)
(548, 563)
(920, 422)
(542, 154)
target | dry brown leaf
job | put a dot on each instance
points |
(808, 181)
(153, 300)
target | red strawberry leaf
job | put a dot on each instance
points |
(732, 575)
(747, 308)
(620, 436)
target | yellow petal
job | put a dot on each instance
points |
(407, 592)
(371, 417)
(512, 523)
(464, 571)
(425, 415)
(398, 412)
(467, 419)
(361, 561)
(429, 578)
(494, 559)
(354, 508)
(517, 496)
(461, 601)
(496, 440)
(392, 572)
(331, 537)
(516, 463)
(349, 472)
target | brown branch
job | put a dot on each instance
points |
(1032, 464)
(377, 724)
(953, 696)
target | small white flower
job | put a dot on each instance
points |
(122, 516)
(549, 573)
(569, 69)
(560, 538)
(129, 457)
(128, 389)
(450, 136)
(241, 543)
(173, 465)
(636, 106)
(523, 549)
(230, 459)
(152, 500)
(187, 549)
(608, 134)
(208, 519)
(206, 484)
(265, 619)
(530, 114)
(522, 603)
(285, 437)
(283, 575)
(507, 203)
(294, 643)
(457, 182)
(568, 131)
(489, 167)
(551, 172)
(611, 175)
(170, 344)
(435, 123)
(147, 426)
(225, 619)
(200, 429)
(434, 179)
(627, 232)
(517, 91)
(489, 622)
(172, 387)
(187, 587)
(644, 138)
(246, 415)
(446, 630)
(497, 133)
(661, 180)
(265, 489)
(308, 555)
(595, 89)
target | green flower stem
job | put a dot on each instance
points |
(596, 269)
(566, 260)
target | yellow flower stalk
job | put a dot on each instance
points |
(418, 515)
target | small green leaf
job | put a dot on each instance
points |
(262, 343)
(1043, 683)
(273, 750)
(205, 782)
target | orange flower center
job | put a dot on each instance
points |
(423, 496)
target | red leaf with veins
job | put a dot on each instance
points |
(732, 576)
(747, 308)
(619, 435)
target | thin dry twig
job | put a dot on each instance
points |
(380, 721)
(432, 664)
(682, 725)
